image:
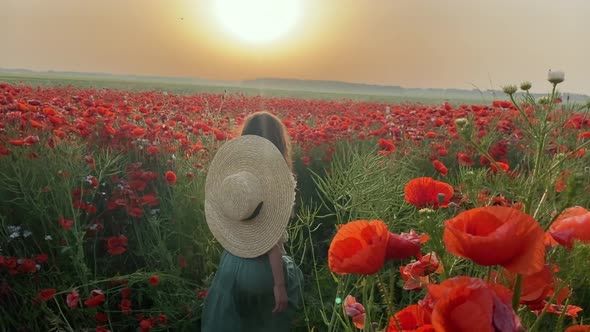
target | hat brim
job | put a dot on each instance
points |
(260, 157)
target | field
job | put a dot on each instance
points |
(180, 86)
(476, 209)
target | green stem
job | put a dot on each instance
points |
(521, 111)
(516, 296)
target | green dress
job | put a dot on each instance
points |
(241, 297)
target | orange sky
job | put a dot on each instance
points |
(412, 43)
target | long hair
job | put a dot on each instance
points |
(267, 125)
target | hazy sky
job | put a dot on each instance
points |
(412, 43)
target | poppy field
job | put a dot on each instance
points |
(410, 217)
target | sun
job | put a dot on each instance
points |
(257, 21)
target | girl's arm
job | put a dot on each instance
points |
(275, 257)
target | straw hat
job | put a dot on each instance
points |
(249, 194)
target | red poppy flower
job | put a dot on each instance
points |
(471, 304)
(65, 223)
(415, 274)
(503, 166)
(427, 192)
(149, 199)
(16, 142)
(154, 280)
(73, 299)
(497, 235)
(116, 245)
(36, 124)
(97, 298)
(561, 181)
(464, 159)
(569, 310)
(363, 246)
(102, 329)
(359, 247)
(138, 132)
(573, 224)
(412, 318)
(306, 160)
(125, 306)
(355, 310)
(387, 145)
(170, 177)
(440, 167)
(42, 258)
(27, 266)
(404, 245)
(46, 294)
(30, 140)
(578, 328)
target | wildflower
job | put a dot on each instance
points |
(48, 238)
(14, 231)
(497, 235)
(97, 298)
(27, 233)
(146, 324)
(503, 166)
(125, 306)
(489, 306)
(46, 294)
(461, 122)
(404, 245)
(386, 146)
(416, 274)
(464, 159)
(355, 310)
(359, 247)
(27, 266)
(411, 318)
(578, 328)
(440, 167)
(116, 245)
(509, 89)
(306, 160)
(154, 280)
(555, 77)
(73, 299)
(573, 224)
(425, 192)
(362, 247)
(525, 86)
(65, 223)
(170, 177)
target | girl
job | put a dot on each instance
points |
(262, 293)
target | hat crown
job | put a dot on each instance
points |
(242, 194)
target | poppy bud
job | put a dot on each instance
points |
(510, 89)
(525, 86)
(555, 77)
(461, 122)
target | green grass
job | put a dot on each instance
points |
(91, 82)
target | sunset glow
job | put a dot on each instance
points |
(424, 44)
(257, 21)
